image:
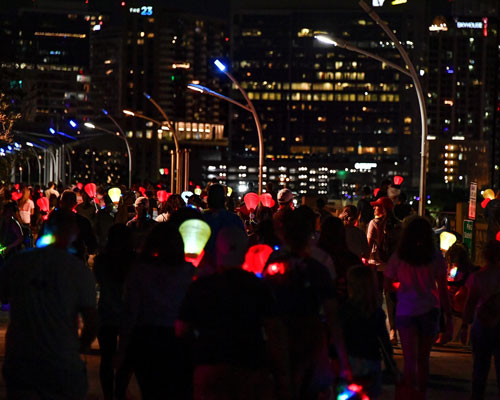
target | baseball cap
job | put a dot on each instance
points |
(285, 196)
(141, 201)
(385, 202)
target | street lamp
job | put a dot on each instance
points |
(410, 72)
(249, 107)
(165, 126)
(421, 101)
(90, 125)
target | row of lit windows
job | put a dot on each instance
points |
(298, 96)
(327, 86)
(41, 67)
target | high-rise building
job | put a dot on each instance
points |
(463, 70)
(158, 51)
(319, 102)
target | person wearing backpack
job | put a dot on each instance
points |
(482, 309)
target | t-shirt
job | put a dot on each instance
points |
(226, 311)
(46, 289)
(418, 292)
(25, 211)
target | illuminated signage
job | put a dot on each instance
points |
(398, 2)
(365, 165)
(144, 10)
(378, 3)
(469, 25)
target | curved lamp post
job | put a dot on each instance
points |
(421, 101)
(177, 155)
(121, 135)
(249, 107)
(423, 113)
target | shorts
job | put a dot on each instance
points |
(426, 324)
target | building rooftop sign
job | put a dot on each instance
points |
(144, 10)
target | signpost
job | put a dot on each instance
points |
(469, 223)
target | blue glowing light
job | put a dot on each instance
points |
(219, 65)
(450, 70)
(45, 240)
(52, 130)
(276, 247)
(147, 95)
(73, 123)
(105, 112)
(9, 147)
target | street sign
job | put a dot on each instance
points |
(472, 200)
(469, 236)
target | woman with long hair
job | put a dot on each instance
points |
(421, 272)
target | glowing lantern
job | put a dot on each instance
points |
(186, 195)
(398, 180)
(43, 204)
(276, 268)
(446, 240)
(79, 185)
(256, 258)
(195, 234)
(489, 194)
(375, 192)
(16, 196)
(197, 190)
(229, 191)
(91, 190)
(115, 194)
(396, 285)
(267, 200)
(498, 236)
(485, 202)
(143, 191)
(162, 196)
(251, 201)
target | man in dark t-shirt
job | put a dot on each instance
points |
(228, 311)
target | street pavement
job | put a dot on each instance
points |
(451, 367)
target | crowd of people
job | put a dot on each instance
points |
(318, 319)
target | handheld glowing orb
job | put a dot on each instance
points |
(115, 194)
(375, 192)
(162, 196)
(398, 180)
(197, 190)
(489, 194)
(267, 200)
(91, 190)
(195, 234)
(43, 204)
(446, 240)
(256, 258)
(79, 185)
(276, 268)
(229, 191)
(186, 195)
(251, 201)
(453, 272)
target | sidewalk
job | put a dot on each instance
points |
(451, 368)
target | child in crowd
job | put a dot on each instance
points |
(365, 332)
